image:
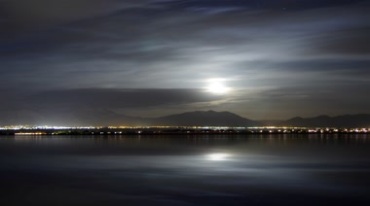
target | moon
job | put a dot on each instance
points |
(217, 87)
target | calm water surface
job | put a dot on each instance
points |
(185, 170)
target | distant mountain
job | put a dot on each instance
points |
(358, 120)
(204, 118)
(101, 117)
(212, 118)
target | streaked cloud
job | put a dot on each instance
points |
(293, 49)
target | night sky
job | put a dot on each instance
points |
(67, 61)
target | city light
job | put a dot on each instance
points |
(155, 130)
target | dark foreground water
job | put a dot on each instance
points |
(185, 170)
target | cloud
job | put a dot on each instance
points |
(45, 12)
(255, 5)
(332, 67)
(121, 98)
(333, 98)
(347, 42)
(87, 104)
(156, 55)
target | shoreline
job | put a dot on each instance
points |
(182, 131)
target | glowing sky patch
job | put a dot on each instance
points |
(271, 58)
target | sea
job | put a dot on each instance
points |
(180, 170)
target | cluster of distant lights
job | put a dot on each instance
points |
(44, 127)
(263, 129)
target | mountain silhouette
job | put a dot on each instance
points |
(101, 117)
(357, 120)
(213, 118)
(204, 118)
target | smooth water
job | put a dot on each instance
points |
(185, 170)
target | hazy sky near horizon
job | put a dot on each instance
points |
(64, 61)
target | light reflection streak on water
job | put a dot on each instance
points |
(309, 165)
(244, 170)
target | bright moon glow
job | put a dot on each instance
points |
(217, 88)
(218, 156)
